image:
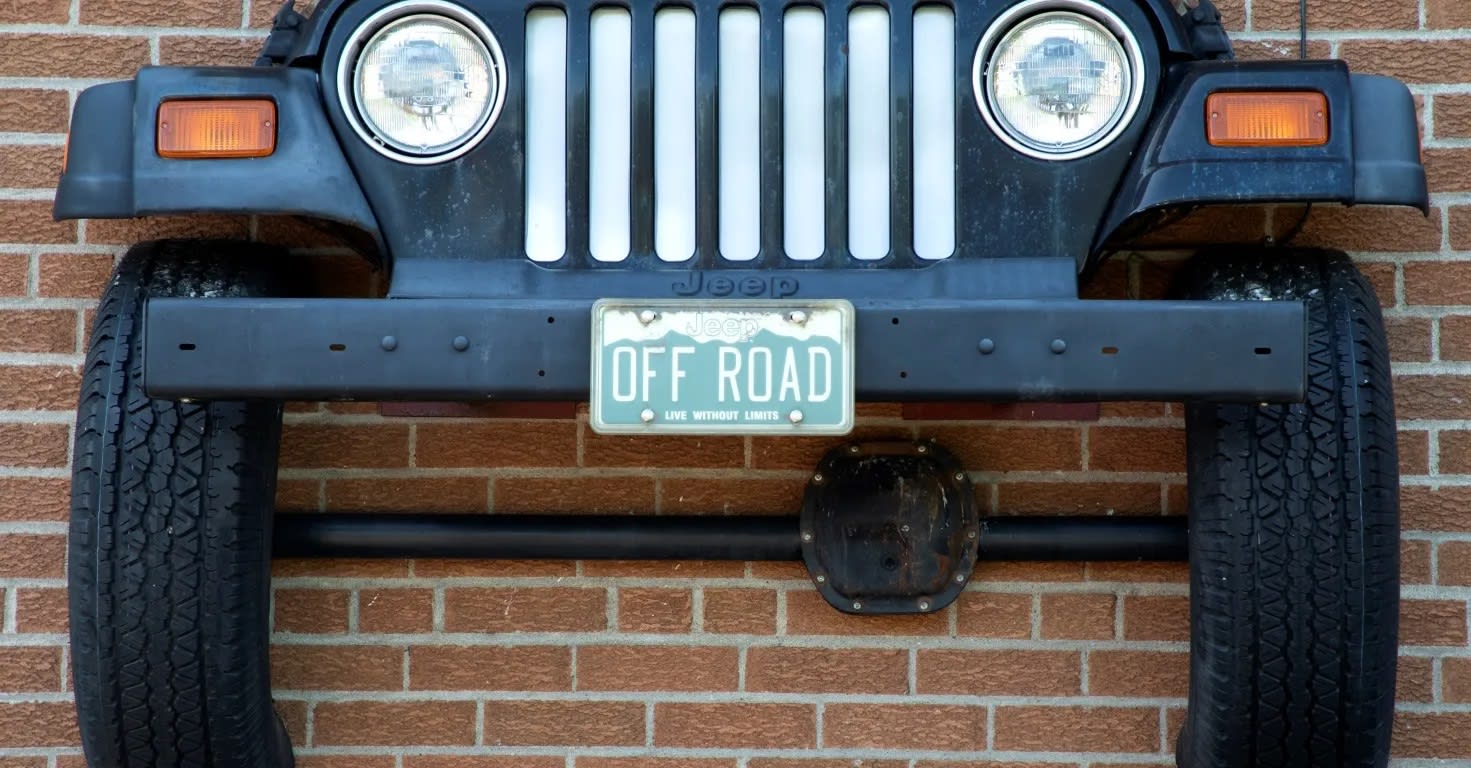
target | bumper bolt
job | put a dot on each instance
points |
(648, 316)
(646, 415)
(959, 477)
(796, 417)
(959, 578)
(820, 579)
(1058, 346)
(460, 343)
(389, 343)
(853, 449)
(817, 479)
(857, 606)
(806, 537)
(924, 605)
(987, 346)
(797, 316)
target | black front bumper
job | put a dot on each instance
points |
(538, 349)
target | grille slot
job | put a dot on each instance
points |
(771, 135)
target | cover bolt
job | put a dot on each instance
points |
(986, 346)
(904, 528)
(924, 605)
(806, 537)
(960, 477)
(959, 578)
(817, 478)
(821, 579)
(460, 343)
(647, 415)
(971, 535)
(796, 416)
(389, 343)
(648, 316)
(1058, 346)
(853, 449)
(857, 606)
(797, 316)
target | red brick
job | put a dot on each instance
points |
(343, 569)
(1077, 729)
(564, 723)
(30, 165)
(642, 451)
(478, 761)
(369, 446)
(39, 330)
(1424, 508)
(664, 569)
(1414, 452)
(1409, 339)
(73, 275)
(1079, 498)
(534, 443)
(740, 611)
(1334, 14)
(995, 614)
(735, 726)
(207, 50)
(398, 723)
(809, 614)
(904, 726)
(583, 494)
(450, 569)
(1432, 735)
(1136, 449)
(827, 670)
(490, 668)
(1370, 229)
(1415, 680)
(1414, 559)
(40, 610)
(312, 611)
(337, 668)
(655, 610)
(34, 499)
(1150, 572)
(999, 673)
(129, 231)
(803, 453)
(541, 609)
(1433, 622)
(410, 494)
(15, 274)
(998, 448)
(1138, 673)
(395, 611)
(657, 668)
(158, 13)
(1445, 169)
(88, 56)
(30, 669)
(26, 556)
(1414, 61)
(1455, 337)
(1443, 14)
(38, 724)
(731, 496)
(1078, 617)
(34, 110)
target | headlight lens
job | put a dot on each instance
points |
(426, 87)
(1059, 84)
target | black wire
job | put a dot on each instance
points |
(1302, 42)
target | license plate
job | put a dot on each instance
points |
(722, 367)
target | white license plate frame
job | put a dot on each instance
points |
(792, 332)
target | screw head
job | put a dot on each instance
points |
(959, 578)
(806, 537)
(797, 317)
(646, 415)
(959, 477)
(970, 535)
(924, 605)
(817, 478)
(389, 343)
(853, 449)
(820, 579)
(1058, 346)
(857, 606)
(921, 448)
(904, 528)
(648, 316)
(460, 343)
(796, 416)
(987, 346)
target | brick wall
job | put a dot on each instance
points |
(717, 665)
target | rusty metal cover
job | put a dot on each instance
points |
(889, 528)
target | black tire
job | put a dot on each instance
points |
(169, 574)
(1294, 538)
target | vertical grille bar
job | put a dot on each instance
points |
(836, 49)
(901, 137)
(869, 140)
(642, 158)
(740, 133)
(707, 148)
(577, 131)
(804, 122)
(546, 134)
(934, 132)
(674, 134)
(610, 144)
(772, 33)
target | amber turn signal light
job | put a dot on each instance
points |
(1267, 119)
(216, 128)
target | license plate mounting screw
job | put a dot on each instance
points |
(796, 416)
(797, 316)
(648, 316)
(646, 415)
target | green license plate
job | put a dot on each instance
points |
(722, 367)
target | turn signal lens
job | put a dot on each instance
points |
(216, 128)
(1267, 119)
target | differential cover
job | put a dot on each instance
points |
(889, 528)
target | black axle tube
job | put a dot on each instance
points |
(754, 537)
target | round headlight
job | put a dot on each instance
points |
(1058, 79)
(423, 81)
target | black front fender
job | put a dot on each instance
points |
(1372, 156)
(113, 169)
